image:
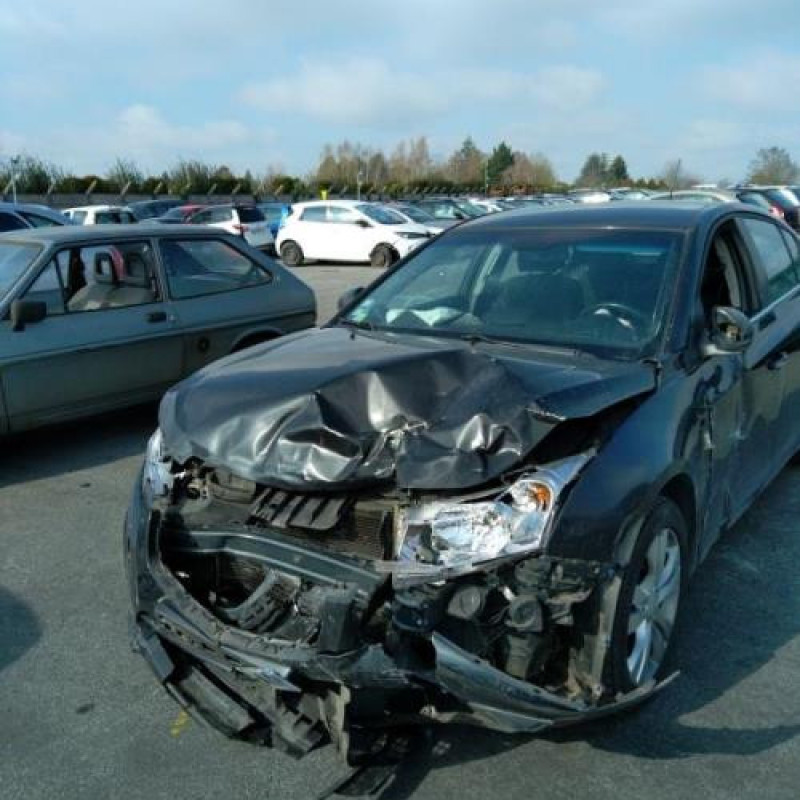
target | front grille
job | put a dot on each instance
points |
(333, 522)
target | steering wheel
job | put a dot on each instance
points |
(629, 318)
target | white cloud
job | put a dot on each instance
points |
(142, 128)
(704, 135)
(142, 133)
(761, 81)
(361, 91)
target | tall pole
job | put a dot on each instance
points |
(486, 178)
(14, 165)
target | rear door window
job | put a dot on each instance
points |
(197, 267)
(314, 214)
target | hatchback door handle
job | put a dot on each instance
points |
(157, 316)
(778, 361)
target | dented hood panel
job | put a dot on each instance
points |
(331, 408)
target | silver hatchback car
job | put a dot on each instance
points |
(94, 319)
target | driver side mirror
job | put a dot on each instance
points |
(731, 332)
(24, 312)
(362, 223)
(348, 297)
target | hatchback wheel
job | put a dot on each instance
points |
(382, 256)
(291, 254)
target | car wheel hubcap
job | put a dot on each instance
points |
(654, 606)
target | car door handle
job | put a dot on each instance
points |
(157, 316)
(778, 361)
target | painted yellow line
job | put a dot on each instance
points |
(180, 723)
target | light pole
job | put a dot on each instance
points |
(486, 178)
(14, 165)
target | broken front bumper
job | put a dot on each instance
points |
(295, 695)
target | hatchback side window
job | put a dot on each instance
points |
(199, 267)
(49, 288)
(314, 214)
(771, 250)
(340, 215)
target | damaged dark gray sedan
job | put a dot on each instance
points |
(475, 496)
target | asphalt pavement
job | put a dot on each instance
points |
(83, 717)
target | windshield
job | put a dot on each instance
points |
(177, 214)
(470, 208)
(417, 214)
(14, 260)
(593, 290)
(381, 214)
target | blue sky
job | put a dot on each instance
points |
(267, 84)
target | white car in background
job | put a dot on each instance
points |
(100, 215)
(246, 221)
(347, 230)
(489, 206)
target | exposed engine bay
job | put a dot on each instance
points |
(288, 619)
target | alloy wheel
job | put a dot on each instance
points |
(654, 606)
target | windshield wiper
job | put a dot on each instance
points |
(361, 325)
(481, 338)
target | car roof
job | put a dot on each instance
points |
(718, 193)
(33, 208)
(347, 203)
(90, 233)
(100, 207)
(652, 214)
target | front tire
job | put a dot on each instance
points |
(382, 257)
(653, 585)
(291, 254)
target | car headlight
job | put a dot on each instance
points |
(410, 235)
(463, 534)
(157, 475)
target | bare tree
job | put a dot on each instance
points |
(773, 165)
(124, 171)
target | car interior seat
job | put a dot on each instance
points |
(98, 292)
(136, 285)
(540, 292)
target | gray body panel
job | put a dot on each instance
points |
(80, 363)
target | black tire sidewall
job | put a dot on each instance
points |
(382, 257)
(296, 257)
(664, 514)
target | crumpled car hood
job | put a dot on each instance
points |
(333, 409)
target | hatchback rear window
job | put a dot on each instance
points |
(251, 215)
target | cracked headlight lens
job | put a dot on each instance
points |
(157, 475)
(463, 534)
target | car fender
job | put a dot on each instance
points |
(620, 484)
(256, 335)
